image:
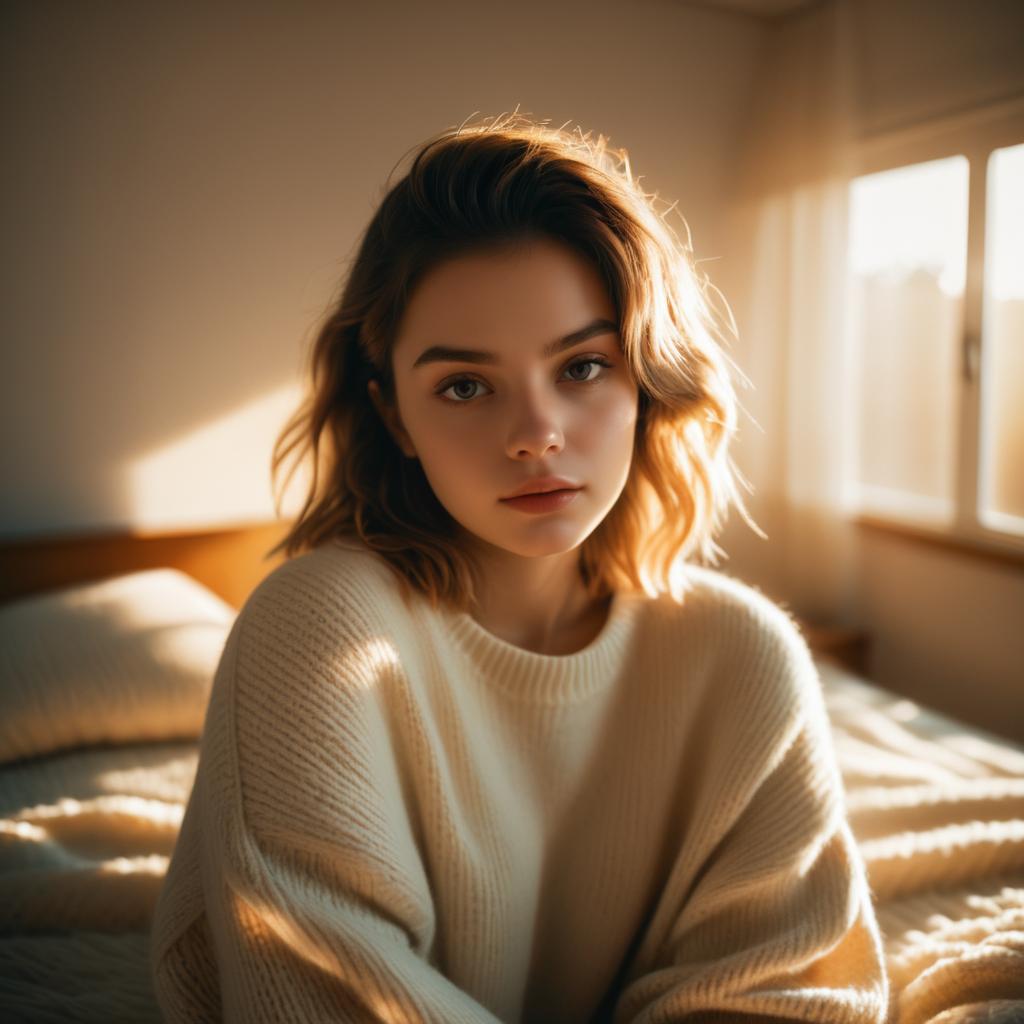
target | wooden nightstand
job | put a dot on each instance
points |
(843, 644)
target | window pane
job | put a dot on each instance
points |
(908, 254)
(1002, 460)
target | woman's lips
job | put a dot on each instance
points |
(550, 501)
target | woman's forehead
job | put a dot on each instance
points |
(493, 302)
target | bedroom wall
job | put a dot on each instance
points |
(927, 58)
(185, 182)
(945, 627)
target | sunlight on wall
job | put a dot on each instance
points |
(218, 473)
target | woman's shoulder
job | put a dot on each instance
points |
(334, 570)
(736, 631)
(338, 591)
(713, 600)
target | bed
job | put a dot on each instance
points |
(107, 649)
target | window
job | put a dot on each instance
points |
(936, 289)
(1002, 426)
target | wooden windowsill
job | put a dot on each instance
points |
(979, 550)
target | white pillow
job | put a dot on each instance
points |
(119, 660)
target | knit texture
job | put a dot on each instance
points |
(398, 816)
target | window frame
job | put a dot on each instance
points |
(973, 134)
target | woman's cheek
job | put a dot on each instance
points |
(452, 439)
(617, 415)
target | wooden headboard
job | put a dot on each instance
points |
(230, 561)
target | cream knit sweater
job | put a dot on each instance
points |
(398, 816)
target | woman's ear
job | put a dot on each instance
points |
(391, 419)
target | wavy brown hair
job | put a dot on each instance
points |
(481, 186)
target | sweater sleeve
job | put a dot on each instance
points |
(316, 901)
(775, 920)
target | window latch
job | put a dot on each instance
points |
(970, 351)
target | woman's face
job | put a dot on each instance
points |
(486, 421)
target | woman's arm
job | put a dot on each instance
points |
(779, 925)
(772, 920)
(301, 937)
(316, 904)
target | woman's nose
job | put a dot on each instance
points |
(535, 432)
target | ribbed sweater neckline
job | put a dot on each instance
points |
(549, 678)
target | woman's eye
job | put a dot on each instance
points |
(462, 398)
(586, 363)
(461, 384)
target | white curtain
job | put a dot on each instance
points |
(784, 277)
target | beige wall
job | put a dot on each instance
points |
(184, 183)
(925, 58)
(946, 629)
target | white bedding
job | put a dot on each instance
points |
(937, 808)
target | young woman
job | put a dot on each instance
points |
(478, 756)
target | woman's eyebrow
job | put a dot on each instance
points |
(446, 354)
